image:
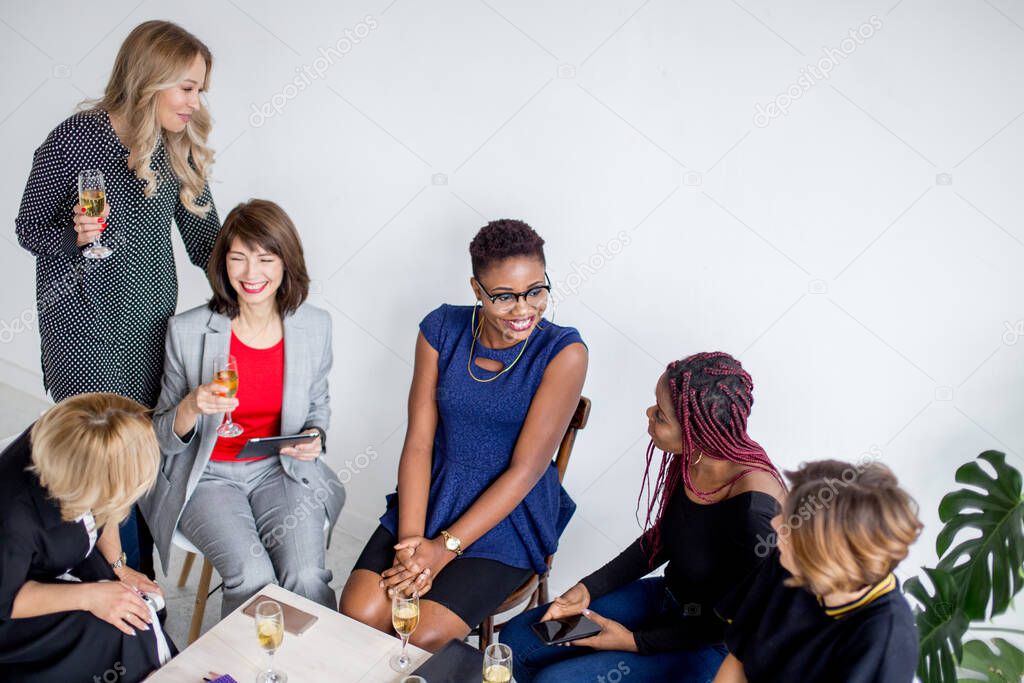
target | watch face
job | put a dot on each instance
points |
(451, 543)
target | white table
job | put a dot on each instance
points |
(335, 649)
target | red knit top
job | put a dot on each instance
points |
(260, 391)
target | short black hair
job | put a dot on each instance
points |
(502, 239)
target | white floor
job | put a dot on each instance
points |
(19, 410)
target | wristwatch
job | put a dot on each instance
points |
(452, 543)
(119, 562)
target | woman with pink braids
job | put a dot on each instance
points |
(714, 496)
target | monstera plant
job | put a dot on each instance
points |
(975, 579)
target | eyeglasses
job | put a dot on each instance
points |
(506, 301)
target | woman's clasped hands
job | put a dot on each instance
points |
(417, 561)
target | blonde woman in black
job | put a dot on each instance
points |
(66, 614)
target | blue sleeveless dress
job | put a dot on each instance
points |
(477, 429)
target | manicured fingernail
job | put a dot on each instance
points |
(133, 632)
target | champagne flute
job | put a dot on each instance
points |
(270, 631)
(497, 663)
(225, 374)
(92, 196)
(405, 617)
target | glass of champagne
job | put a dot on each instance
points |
(225, 375)
(497, 663)
(92, 196)
(270, 631)
(405, 616)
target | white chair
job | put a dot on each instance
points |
(203, 592)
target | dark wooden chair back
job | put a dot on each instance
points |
(578, 422)
(535, 590)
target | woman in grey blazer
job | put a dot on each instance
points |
(258, 521)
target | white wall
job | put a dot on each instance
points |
(867, 294)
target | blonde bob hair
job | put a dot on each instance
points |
(848, 525)
(95, 452)
(155, 56)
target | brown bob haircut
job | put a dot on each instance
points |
(262, 224)
(848, 525)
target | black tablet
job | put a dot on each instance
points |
(271, 445)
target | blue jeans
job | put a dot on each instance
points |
(633, 606)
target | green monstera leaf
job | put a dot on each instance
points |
(1004, 666)
(941, 625)
(993, 570)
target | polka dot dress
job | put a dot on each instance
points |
(102, 322)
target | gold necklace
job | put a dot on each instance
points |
(476, 335)
(695, 462)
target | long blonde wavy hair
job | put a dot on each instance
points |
(155, 56)
(95, 453)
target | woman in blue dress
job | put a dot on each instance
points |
(478, 506)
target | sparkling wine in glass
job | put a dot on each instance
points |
(497, 663)
(270, 632)
(225, 375)
(92, 196)
(405, 617)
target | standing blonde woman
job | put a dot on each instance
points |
(102, 322)
(65, 613)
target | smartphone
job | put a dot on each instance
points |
(565, 630)
(296, 621)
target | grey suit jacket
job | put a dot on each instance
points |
(194, 339)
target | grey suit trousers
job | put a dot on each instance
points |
(257, 525)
